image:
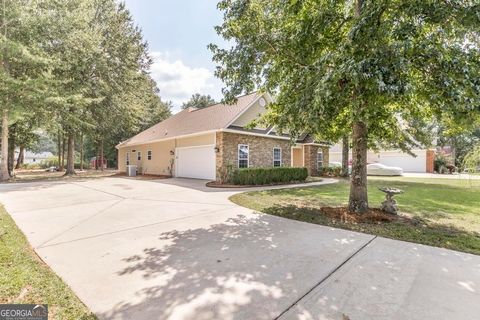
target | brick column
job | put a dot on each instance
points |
(219, 158)
(310, 153)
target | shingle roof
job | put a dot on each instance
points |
(190, 121)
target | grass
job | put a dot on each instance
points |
(440, 212)
(24, 278)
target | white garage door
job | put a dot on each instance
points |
(402, 160)
(196, 162)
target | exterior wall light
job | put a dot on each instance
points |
(172, 153)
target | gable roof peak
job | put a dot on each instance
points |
(191, 120)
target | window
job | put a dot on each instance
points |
(319, 160)
(277, 157)
(128, 159)
(149, 154)
(139, 156)
(243, 156)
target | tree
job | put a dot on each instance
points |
(382, 68)
(345, 150)
(198, 101)
(471, 161)
(460, 141)
(128, 93)
(24, 69)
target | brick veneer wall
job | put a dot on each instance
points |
(311, 159)
(260, 149)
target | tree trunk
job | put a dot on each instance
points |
(70, 155)
(96, 157)
(21, 158)
(81, 152)
(62, 164)
(358, 201)
(101, 155)
(345, 149)
(4, 151)
(59, 149)
(11, 151)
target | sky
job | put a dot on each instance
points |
(178, 32)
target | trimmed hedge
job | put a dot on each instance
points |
(330, 171)
(259, 176)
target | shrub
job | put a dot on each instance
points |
(259, 176)
(53, 162)
(471, 162)
(226, 173)
(330, 171)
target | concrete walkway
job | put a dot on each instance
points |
(175, 249)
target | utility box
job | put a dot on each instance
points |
(131, 170)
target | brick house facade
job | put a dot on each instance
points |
(261, 152)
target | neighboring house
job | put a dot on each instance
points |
(423, 162)
(33, 157)
(200, 143)
(93, 162)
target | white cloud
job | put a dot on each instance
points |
(178, 81)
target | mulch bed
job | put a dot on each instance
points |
(373, 215)
(216, 184)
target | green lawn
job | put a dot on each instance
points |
(24, 278)
(443, 212)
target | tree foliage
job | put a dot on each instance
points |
(75, 68)
(383, 68)
(198, 101)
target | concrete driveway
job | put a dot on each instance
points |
(174, 249)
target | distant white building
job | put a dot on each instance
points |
(423, 162)
(32, 157)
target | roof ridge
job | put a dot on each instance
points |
(187, 121)
(218, 103)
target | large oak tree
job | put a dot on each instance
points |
(381, 68)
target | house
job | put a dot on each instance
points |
(33, 157)
(200, 143)
(421, 162)
(94, 164)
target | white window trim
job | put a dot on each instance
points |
(139, 156)
(319, 152)
(273, 151)
(238, 155)
(149, 155)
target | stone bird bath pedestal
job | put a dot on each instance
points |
(390, 204)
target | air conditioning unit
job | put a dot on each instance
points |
(131, 170)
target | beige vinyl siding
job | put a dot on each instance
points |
(200, 140)
(160, 157)
(252, 113)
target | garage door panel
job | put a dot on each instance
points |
(196, 162)
(402, 160)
